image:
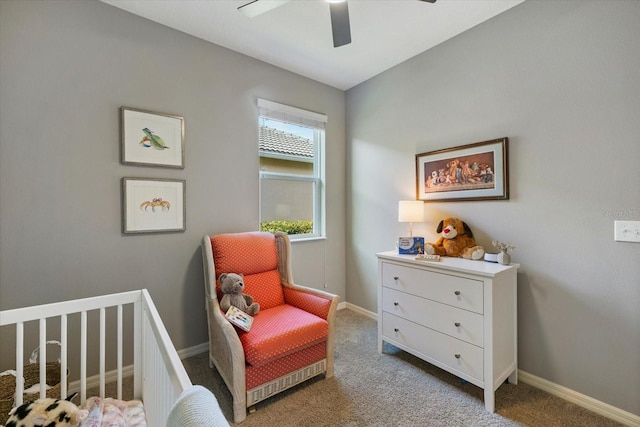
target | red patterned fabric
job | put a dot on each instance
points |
(265, 288)
(256, 375)
(244, 253)
(308, 302)
(255, 256)
(290, 331)
(280, 331)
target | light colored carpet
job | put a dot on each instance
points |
(393, 389)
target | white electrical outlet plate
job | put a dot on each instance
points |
(627, 231)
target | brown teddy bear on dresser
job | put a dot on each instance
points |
(456, 240)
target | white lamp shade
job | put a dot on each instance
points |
(411, 211)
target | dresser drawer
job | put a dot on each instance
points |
(452, 290)
(462, 324)
(455, 354)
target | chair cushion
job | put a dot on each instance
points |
(265, 288)
(244, 253)
(280, 331)
(255, 256)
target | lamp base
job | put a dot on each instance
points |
(410, 245)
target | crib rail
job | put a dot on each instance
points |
(164, 376)
(158, 374)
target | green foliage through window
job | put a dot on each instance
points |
(289, 227)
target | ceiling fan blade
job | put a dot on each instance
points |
(258, 7)
(340, 23)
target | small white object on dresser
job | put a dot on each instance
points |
(457, 314)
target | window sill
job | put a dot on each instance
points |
(306, 239)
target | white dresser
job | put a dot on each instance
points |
(457, 314)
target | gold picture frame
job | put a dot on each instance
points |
(478, 171)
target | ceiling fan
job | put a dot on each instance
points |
(339, 10)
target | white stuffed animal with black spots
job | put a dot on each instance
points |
(46, 413)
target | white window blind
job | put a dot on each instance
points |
(288, 114)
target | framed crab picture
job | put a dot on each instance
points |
(148, 138)
(153, 205)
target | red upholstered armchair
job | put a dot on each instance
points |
(291, 339)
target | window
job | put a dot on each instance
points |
(291, 147)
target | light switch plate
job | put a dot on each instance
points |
(627, 231)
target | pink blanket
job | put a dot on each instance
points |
(114, 413)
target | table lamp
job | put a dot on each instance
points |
(411, 211)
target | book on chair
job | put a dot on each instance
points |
(239, 318)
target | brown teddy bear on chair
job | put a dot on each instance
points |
(456, 240)
(232, 285)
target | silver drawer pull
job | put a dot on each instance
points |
(395, 277)
(457, 324)
(457, 356)
(457, 292)
(396, 303)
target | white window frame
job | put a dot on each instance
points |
(317, 121)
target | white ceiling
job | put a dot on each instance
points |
(297, 35)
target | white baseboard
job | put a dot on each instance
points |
(94, 380)
(361, 310)
(127, 371)
(600, 408)
(192, 351)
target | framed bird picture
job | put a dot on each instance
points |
(149, 138)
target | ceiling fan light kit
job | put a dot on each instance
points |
(339, 10)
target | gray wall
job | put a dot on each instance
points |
(560, 79)
(66, 68)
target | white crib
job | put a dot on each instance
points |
(158, 374)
